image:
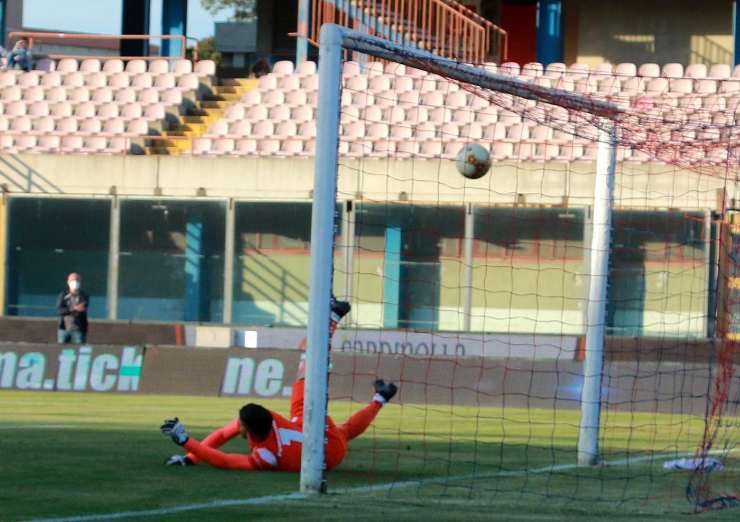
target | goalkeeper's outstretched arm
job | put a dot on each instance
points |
(218, 438)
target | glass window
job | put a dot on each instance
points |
(408, 266)
(272, 250)
(48, 239)
(171, 260)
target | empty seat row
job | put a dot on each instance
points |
(136, 66)
(9, 80)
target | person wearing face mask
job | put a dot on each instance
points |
(72, 306)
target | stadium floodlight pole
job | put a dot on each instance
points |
(588, 437)
(334, 39)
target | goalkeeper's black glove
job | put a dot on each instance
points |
(178, 460)
(176, 431)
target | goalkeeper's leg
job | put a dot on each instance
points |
(361, 420)
(338, 310)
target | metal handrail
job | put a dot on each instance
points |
(445, 27)
(40, 35)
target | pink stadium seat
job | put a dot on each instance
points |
(357, 83)
(471, 131)
(182, 67)
(395, 69)
(379, 83)
(235, 112)
(295, 98)
(51, 79)
(67, 65)
(137, 126)
(588, 85)
(494, 131)
(141, 81)
(426, 130)
(403, 84)
(273, 98)
(650, 70)
(400, 132)
(240, 128)
(578, 70)
(73, 79)
(148, 96)
(374, 68)
(409, 98)
(417, 114)
(696, 70)
(268, 82)
(395, 114)
(165, 81)
(518, 132)
(440, 115)
(91, 125)
(602, 69)
(11, 93)
(7, 78)
(449, 130)
(56, 94)
(252, 97)
(246, 146)
(205, 68)
(289, 83)
(672, 70)
(509, 68)
(219, 128)
(376, 131)
(533, 69)
(263, 128)
(555, 70)
(719, 71)
(285, 129)
(16, 108)
(159, 67)
(84, 110)
(78, 94)
(353, 130)
(90, 65)
(657, 86)
(61, 109)
(119, 80)
(282, 68)
(108, 110)
(259, 112)
(350, 69)
(96, 80)
(136, 66)
(681, 85)
(102, 95)
(407, 148)
(386, 98)
(268, 147)
(43, 124)
(114, 126)
(222, 146)
(20, 124)
(72, 144)
(33, 94)
(25, 142)
(705, 86)
(302, 113)
(188, 82)
(306, 68)
(125, 95)
(427, 84)
(27, 79)
(201, 146)
(433, 99)
(729, 86)
(49, 143)
(430, 148)
(154, 112)
(95, 144)
(67, 125)
(456, 99)
(310, 83)
(171, 97)
(307, 129)
(372, 113)
(4, 123)
(291, 147)
(113, 66)
(131, 111)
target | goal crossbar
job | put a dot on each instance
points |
(334, 41)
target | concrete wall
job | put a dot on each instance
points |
(683, 31)
(637, 185)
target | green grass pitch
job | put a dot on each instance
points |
(73, 455)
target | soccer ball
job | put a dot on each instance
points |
(473, 161)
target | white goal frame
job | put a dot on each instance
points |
(334, 41)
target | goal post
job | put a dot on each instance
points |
(334, 41)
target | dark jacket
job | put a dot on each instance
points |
(78, 320)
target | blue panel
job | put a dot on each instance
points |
(3, 7)
(392, 277)
(174, 21)
(193, 267)
(735, 29)
(549, 32)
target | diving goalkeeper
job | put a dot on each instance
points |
(275, 441)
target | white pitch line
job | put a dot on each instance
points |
(8, 427)
(274, 499)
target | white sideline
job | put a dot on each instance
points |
(270, 499)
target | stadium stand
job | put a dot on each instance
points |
(109, 107)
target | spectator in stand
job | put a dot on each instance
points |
(72, 306)
(261, 68)
(20, 56)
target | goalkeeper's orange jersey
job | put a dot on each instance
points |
(280, 451)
